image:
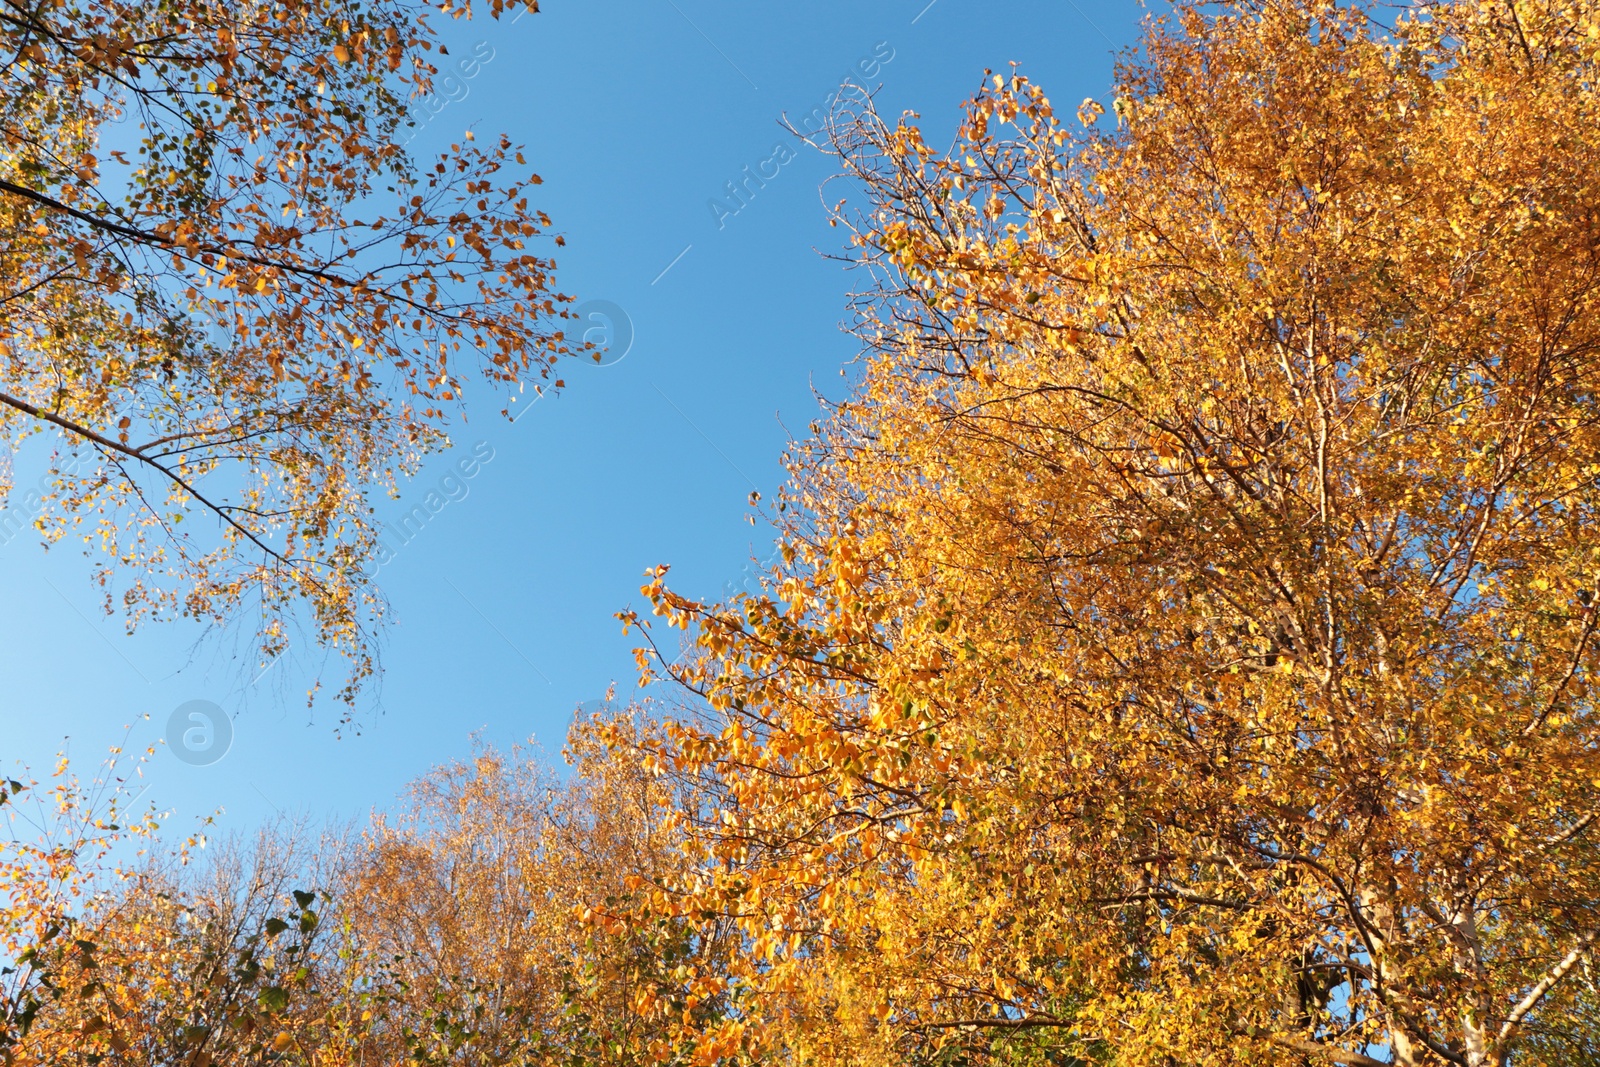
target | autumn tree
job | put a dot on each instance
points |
(233, 297)
(1183, 647)
(483, 921)
(486, 916)
(226, 963)
(58, 840)
(114, 949)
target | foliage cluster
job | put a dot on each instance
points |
(1180, 648)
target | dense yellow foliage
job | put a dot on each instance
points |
(1181, 651)
(1185, 650)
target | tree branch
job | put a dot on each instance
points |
(1544, 985)
(177, 479)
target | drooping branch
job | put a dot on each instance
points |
(177, 479)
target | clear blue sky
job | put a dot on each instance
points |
(636, 113)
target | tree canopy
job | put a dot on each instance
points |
(1184, 648)
(1178, 651)
(464, 928)
(228, 287)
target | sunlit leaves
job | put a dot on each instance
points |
(483, 923)
(230, 287)
(1183, 647)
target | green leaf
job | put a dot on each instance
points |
(276, 927)
(273, 999)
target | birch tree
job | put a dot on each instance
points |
(238, 304)
(1184, 645)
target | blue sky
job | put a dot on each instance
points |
(637, 113)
